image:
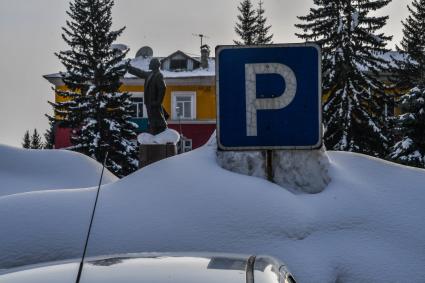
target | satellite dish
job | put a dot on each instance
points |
(144, 52)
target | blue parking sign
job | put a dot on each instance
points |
(269, 97)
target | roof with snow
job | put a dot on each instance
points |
(143, 64)
(391, 57)
(181, 53)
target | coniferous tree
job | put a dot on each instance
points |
(409, 68)
(49, 135)
(352, 49)
(262, 33)
(26, 143)
(246, 27)
(410, 126)
(36, 142)
(410, 75)
(96, 110)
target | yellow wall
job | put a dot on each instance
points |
(205, 99)
(59, 98)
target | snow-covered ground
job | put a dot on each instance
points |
(24, 170)
(44, 213)
(367, 226)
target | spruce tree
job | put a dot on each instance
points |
(246, 27)
(36, 142)
(26, 143)
(49, 135)
(352, 49)
(409, 68)
(96, 110)
(262, 33)
(410, 126)
(410, 75)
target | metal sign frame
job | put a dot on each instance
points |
(319, 143)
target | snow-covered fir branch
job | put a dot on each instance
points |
(352, 47)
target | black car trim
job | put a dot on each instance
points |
(250, 269)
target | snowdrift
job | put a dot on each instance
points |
(23, 170)
(44, 226)
(367, 226)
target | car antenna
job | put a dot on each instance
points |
(80, 269)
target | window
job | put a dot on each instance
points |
(139, 110)
(187, 145)
(389, 109)
(178, 64)
(184, 145)
(184, 105)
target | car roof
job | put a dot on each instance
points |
(154, 268)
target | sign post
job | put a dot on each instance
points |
(269, 121)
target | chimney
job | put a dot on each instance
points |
(205, 54)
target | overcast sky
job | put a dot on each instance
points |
(30, 32)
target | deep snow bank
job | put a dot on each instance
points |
(23, 170)
(44, 226)
(367, 226)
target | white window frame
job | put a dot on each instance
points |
(174, 95)
(182, 144)
(187, 148)
(140, 95)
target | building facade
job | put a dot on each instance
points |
(190, 98)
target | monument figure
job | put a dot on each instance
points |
(153, 96)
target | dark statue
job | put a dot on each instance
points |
(154, 95)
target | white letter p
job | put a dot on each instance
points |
(253, 104)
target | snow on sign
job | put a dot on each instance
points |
(269, 97)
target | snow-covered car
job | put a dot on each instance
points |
(157, 268)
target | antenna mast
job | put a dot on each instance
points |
(201, 36)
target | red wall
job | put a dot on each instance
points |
(199, 133)
(62, 137)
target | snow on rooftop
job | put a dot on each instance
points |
(367, 226)
(391, 57)
(143, 64)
